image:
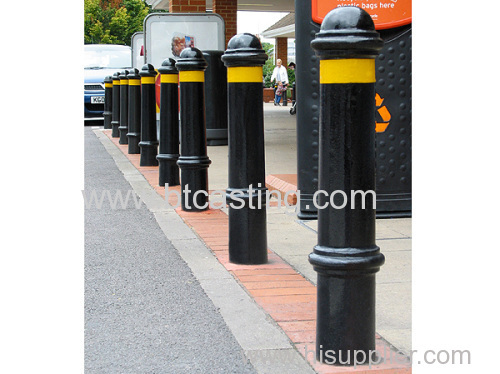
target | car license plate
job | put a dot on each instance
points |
(97, 99)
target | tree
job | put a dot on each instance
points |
(113, 21)
(269, 65)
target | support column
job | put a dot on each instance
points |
(187, 6)
(282, 50)
(346, 257)
(228, 10)
(246, 193)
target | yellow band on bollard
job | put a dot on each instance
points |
(134, 82)
(124, 83)
(192, 76)
(108, 85)
(116, 82)
(169, 78)
(244, 74)
(147, 80)
(355, 70)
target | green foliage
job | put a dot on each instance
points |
(112, 21)
(269, 65)
(291, 77)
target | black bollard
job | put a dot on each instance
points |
(193, 160)
(149, 141)
(244, 59)
(108, 97)
(134, 111)
(168, 152)
(215, 98)
(123, 128)
(115, 106)
(346, 257)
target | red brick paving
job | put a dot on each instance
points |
(281, 291)
(283, 183)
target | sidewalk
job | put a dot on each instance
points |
(284, 289)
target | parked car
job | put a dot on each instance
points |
(101, 60)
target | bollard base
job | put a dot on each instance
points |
(345, 317)
(247, 231)
(168, 169)
(149, 151)
(115, 133)
(345, 303)
(123, 135)
(107, 120)
(194, 177)
(133, 143)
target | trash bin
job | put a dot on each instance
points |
(216, 98)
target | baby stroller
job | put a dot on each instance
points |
(293, 109)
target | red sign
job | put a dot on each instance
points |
(386, 14)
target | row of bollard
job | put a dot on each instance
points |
(346, 257)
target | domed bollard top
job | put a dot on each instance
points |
(347, 32)
(244, 50)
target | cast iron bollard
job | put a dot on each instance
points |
(149, 142)
(108, 94)
(346, 257)
(244, 59)
(168, 153)
(134, 111)
(123, 107)
(115, 106)
(215, 98)
(193, 160)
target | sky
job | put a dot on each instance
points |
(257, 22)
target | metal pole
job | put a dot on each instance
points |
(123, 107)
(108, 94)
(168, 153)
(115, 111)
(134, 111)
(193, 160)
(244, 59)
(346, 257)
(149, 141)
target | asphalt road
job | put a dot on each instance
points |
(144, 310)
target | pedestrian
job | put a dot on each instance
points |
(277, 94)
(279, 75)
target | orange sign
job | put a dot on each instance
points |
(386, 14)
